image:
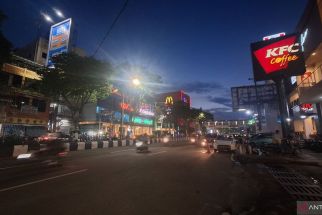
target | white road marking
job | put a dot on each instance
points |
(122, 151)
(42, 180)
(157, 153)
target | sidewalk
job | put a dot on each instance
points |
(305, 157)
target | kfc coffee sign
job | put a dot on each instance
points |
(276, 58)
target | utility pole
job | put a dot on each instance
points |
(282, 105)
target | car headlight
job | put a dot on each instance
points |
(138, 144)
(166, 139)
(24, 156)
(203, 143)
(193, 140)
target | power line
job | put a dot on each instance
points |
(111, 27)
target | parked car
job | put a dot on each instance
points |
(264, 141)
(224, 143)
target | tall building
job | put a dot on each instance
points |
(175, 108)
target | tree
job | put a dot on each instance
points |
(76, 80)
(5, 45)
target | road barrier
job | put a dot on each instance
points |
(89, 145)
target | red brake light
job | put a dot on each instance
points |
(62, 154)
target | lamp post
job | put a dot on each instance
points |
(136, 82)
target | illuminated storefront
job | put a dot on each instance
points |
(106, 117)
(306, 90)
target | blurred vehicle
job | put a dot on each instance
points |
(193, 138)
(141, 146)
(50, 153)
(224, 143)
(207, 141)
(53, 136)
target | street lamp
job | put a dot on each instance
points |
(47, 17)
(136, 81)
(58, 13)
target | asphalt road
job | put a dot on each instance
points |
(167, 180)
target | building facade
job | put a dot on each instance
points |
(105, 116)
(23, 110)
(305, 95)
(175, 110)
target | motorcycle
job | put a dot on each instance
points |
(141, 147)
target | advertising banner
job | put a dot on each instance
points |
(280, 57)
(58, 39)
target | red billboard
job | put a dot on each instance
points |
(277, 58)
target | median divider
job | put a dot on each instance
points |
(115, 143)
(87, 145)
(94, 145)
(105, 144)
(81, 146)
(19, 149)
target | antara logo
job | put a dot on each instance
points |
(276, 56)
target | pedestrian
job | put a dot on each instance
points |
(277, 137)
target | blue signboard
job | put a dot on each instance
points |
(58, 40)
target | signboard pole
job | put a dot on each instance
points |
(258, 107)
(282, 105)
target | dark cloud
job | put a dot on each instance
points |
(218, 110)
(201, 87)
(220, 100)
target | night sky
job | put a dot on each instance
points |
(200, 46)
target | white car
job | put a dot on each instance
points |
(224, 144)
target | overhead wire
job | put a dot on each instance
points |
(111, 27)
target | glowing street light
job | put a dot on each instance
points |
(47, 17)
(58, 13)
(136, 82)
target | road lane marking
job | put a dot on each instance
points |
(122, 151)
(157, 153)
(42, 180)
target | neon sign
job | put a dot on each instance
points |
(146, 109)
(278, 57)
(126, 106)
(169, 100)
(303, 38)
(306, 107)
(143, 121)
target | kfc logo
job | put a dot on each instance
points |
(276, 56)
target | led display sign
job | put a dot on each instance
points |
(274, 36)
(142, 121)
(146, 109)
(276, 58)
(58, 40)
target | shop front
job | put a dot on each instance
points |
(306, 96)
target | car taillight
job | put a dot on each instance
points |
(62, 154)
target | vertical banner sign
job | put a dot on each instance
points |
(280, 57)
(58, 40)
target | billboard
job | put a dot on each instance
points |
(277, 57)
(58, 39)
